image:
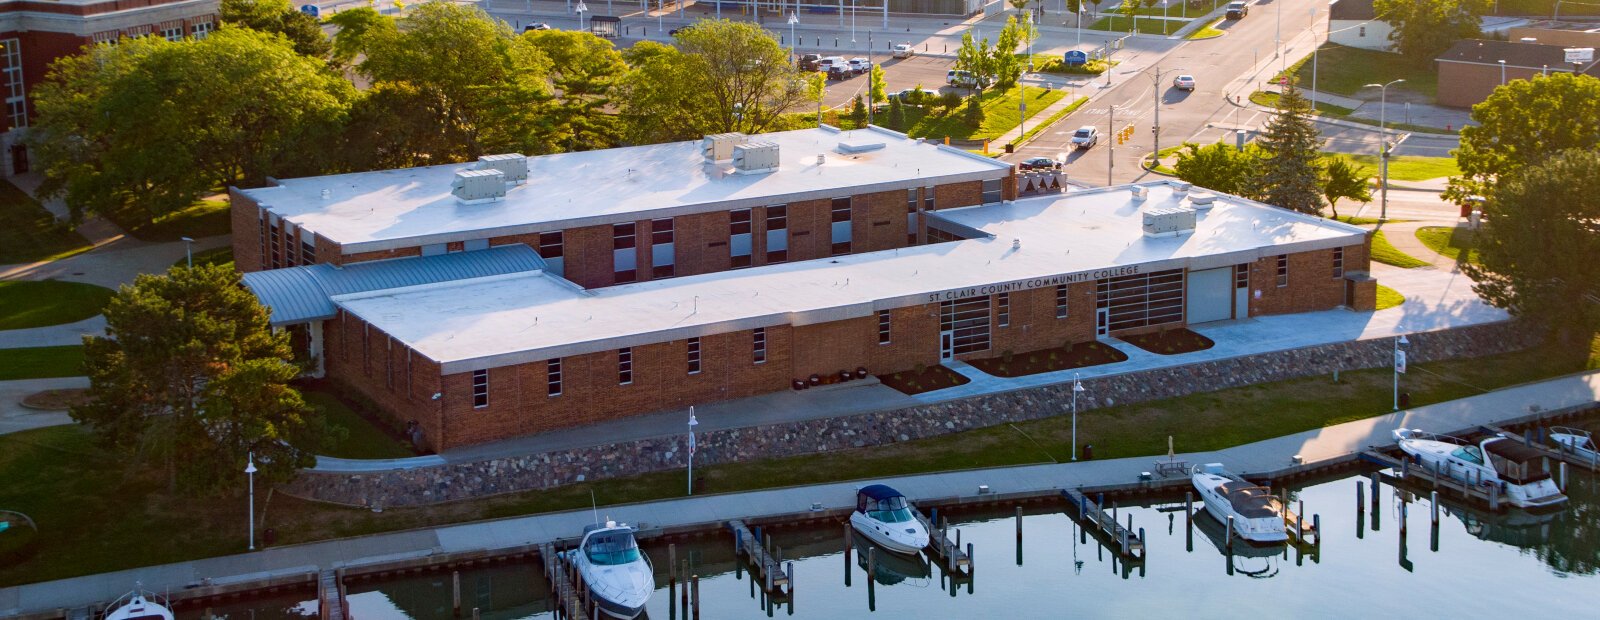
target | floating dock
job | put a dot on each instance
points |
(566, 585)
(1128, 544)
(766, 565)
(943, 549)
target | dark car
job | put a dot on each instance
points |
(1038, 163)
(808, 62)
(1237, 10)
(839, 72)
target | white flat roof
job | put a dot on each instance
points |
(1082, 235)
(387, 209)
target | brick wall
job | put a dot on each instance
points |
(246, 218)
(1312, 285)
(702, 243)
(810, 229)
(345, 338)
(1470, 84)
(1034, 325)
(952, 195)
(878, 221)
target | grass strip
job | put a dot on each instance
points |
(41, 363)
(25, 304)
(1389, 298)
(1451, 242)
(1385, 252)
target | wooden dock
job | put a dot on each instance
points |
(331, 595)
(1301, 530)
(766, 563)
(1129, 544)
(947, 552)
(566, 585)
(1547, 451)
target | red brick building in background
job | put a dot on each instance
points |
(34, 33)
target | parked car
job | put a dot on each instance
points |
(859, 65)
(829, 61)
(536, 26)
(1039, 163)
(1237, 10)
(1183, 82)
(840, 72)
(904, 50)
(1085, 137)
(808, 62)
(964, 79)
(910, 95)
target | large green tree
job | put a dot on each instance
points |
(1423, 29)
(1343, 179)
(1007, 67)
(152, 125)
(1290, 175)
(1524, 123)
(723, 76)
(584, 69)
(279, 16)
(189, 379)
(659, 100)
(1220, 167)
(1538, 242)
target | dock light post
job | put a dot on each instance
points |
(581, 9)
(250, 470)
(1076, 387)
(692, 423)
(1383, 134)
(1400, 346)
(188, 251)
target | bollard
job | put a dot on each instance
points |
(1019, 523)
(1562, 480)
(1230, 535)
(872, 562)
(694, 582)
(475, 613)
(1434, 500)
(455, 592)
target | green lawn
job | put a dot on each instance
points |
(25, 304)
(1385, 252)
(1147, 25)
(30, 233)
(1035, 128)
(57, 476)
(1000, 115)
(205, 218)
(1450, 241)
(41, 363)
(1546, 8)
(1347, 70)
(1389, 298)
(1406, 167)
(1270, 100)
(1207, 31)
(213, 256)
(363, 439)
(1360, 221)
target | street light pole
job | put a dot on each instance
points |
(250, 470)
(1502, 73)
(188, 251)
(692, 423)
(1076, 387)
(794, 44)
(1399, 366)
(581, 9)
(1111, 142)
(1383, 155)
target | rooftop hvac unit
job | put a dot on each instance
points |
(513, 165)
(478, 186)
(755, 157)
(719, 147)
(1202, 201)
(1168, 222)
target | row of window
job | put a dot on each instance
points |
(171, 31)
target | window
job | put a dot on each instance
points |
(409, 373)
(480, 389)
(1283, 270)
(694, 356)
(1241, 276)
(883, 327)
(625, 365)
(200, 30)
(291, 249)
(1362, 31)
(992, 191)
(967, 320)
(552, 375)
(1338, 263)
(1004, 307)
(623, 253)
(308, 248)
(1061, 301)
(739, 237)
(1141, 300)
(777, 234)
(911, 217)
(173, 32)
(661, 254)
(841, 226)
(16, 97)
(759, 340)
(551, 248)
(273, 239)
(911, 200)
(108, 37)
(388, 363)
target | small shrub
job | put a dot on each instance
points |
(949, 101)
(974, 113)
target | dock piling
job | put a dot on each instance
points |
(683, 593)
(1019, 523)
(1433, 500)
(694, 583)
(1403, 510)
(455, 592)
(1561, 481)
(1316, 524)
(1230, 534)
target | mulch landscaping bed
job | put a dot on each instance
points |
(56, 400)
(930, 379)
(1169, 342)
(1049, 360)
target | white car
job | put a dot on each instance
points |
(904, 50)
(1085, 137)
(860, 65)
(909, 93)
(1183, 82)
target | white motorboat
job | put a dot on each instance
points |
(884, 517)
(617, 573)
(138, 605)
(1517, 470)
(1575, 440)
(1257, 515)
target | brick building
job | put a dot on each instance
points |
(890, 253)
(1473, 68)
(35, 33)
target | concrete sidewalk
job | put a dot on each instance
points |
(15, 417)
(1322, 444)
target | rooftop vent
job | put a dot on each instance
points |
(1530, 39)
(1168, 221)
(478, 186)
(1139, 192)
(1202, 201)
(719, 147)
(851, 147)
(1180, 188)
(513, 165)
(755, 157)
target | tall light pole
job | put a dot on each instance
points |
(250, 470)
(1076, 387)
(1277, 33)
(1317, 46)
(1383, 134)
(1080, 26)
(794, 18)
(1155, 131)
(692, 423)
(1400, 345)
(852, 21)
(188, 251)
(581, 9)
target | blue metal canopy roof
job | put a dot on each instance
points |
(300, 294)
(880, 491)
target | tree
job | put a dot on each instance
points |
(897, 115)
(1342, 179)
(816, 90)
(151, 125)
(1128, 9)
(858, 113)
(1007, 67)
(1537, 244)
(1220, 167)
(1290, 175)
(973, 115)
(1423, 29)
(1523, 123)
(190, 376)
(279, 16)
(660, 99)
(968, 56)
(584, 70)
(744, 71)
(1073, 6)
(877, 89)
(1019, 5)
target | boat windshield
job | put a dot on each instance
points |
(890, 510)
(1470, 454)
(612, 548)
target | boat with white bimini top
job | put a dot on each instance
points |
(884, 517)
(1257, 515)
(1576, 441)
(138, 605)
(616, 572)
(1495, 461)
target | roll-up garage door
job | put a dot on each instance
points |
(1210, 295)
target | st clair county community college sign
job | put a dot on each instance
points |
(1032, 283)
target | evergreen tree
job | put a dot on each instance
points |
(974, 113)
(858, 113)
(1291, 176)
(897, 115)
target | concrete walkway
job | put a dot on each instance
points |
(1264, 456)
(15, 417)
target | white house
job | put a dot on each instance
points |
(1352, 23)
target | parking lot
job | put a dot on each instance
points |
(899, 73)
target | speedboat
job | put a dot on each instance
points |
(1576, 441)
(138, 605)
(884, 517)
(618, 575)
(1257, 515)
(1517, 470)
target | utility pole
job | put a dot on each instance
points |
(1155, 132)
(1111, 130)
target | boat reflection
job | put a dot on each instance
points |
(891, 568)
(1257, 561)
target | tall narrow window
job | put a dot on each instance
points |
(551, 248)
(1338, 262)
(694, 356)
(388, 362)
(624, 253)
(366, 349)
(291, 248)
(625, 365)
(480, 389)
(777, 234)
(308, 248)
(840, 227)
(1003, 309)
(1283, 270)
(1061, 301)
(911, 216)
(552, 374)
(172, 32)
(759, 341)
(274, 239)
(1241, 276)
(263, 228)
(739, 237)
(16, 95)
(661, 254)
(883, 326)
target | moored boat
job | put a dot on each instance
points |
(1496, 462)
(138, 605)
(884, 517)
(616, 572)
(1257, 515)
(1575, 440)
